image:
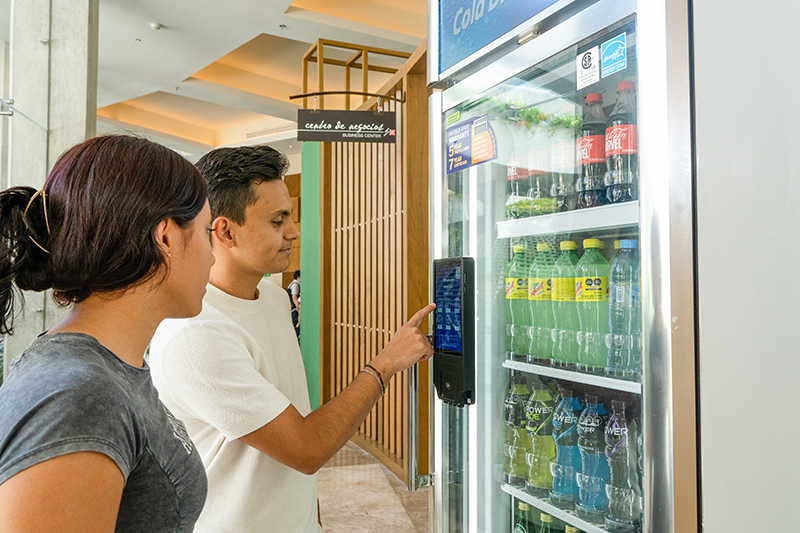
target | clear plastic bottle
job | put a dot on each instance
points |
(624, 492)
(539, 414)
(590, 154)
(562, 158)
(540, 287)
(624, 358)
(539, 172)
(567, 463)
(592, 499)
(622, 145)
(591, 296)
(517, 308)
(518, 187)
(565, 311)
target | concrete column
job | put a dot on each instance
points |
(53, 82)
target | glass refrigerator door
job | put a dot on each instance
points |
(540, 185)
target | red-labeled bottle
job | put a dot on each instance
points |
(622, 146)
(590, 154)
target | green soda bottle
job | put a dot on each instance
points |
(517, 309)
(547, 523)
(540, 285)
(565, 312)
(539, 414)
(522, 519)
(591, 295)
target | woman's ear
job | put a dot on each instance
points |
(165, 235)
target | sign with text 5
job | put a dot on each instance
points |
(346, 126)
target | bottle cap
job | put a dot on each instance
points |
(571, 529)
(545, 518)
(626, 86)
(617, 245)
(594, 97)
(592, 243)
(568, 245)
(519, 248)
(568, 393)
(524, 506)
(620, 404)
(592, 398)
(629, 243)
(543, 247)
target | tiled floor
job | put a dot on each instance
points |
(357, 494)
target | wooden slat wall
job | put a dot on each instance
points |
(378, 270)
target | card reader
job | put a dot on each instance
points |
(454, 330)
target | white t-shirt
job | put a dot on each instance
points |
(226, 373)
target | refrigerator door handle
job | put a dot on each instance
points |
(414, 481)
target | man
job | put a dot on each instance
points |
(294, 293)
(234, 373)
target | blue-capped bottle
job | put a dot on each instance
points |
(592, 499)
(567, 463)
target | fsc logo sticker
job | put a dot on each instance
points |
(614, 55)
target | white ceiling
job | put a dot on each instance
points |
(218, 71)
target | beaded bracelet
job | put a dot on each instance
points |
(379, 380)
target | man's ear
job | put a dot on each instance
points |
(224, 232)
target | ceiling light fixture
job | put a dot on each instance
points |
(282, 26)
(137, 40)
(156, 25)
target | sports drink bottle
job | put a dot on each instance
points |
(516, 444)
(567, 463)
(624, 492)
(539, 414)
(592, 499)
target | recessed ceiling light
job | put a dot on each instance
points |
(137, 40)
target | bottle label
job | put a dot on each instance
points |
(563, 289)
(540, 289)
(516, 288)
(513, 172)
(562, 156)
(621, 140)
(590, 149)
(539, 418)
(538, 161)
(591, 289)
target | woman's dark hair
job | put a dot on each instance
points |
(230, 172)
(102, 201)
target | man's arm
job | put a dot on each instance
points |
(306, 443)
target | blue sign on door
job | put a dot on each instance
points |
(466, 26)
(613, 55)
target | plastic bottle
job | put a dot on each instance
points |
(522, 519)
(517, 308)
(565, 311)
(590, 154)
(539, 173)
(624, 492)
(592, 499)
(591, 296)
(539, 415)
(567, 463)
(624, 358)
(622, 146)
(562, 158)
(516, 444)
(517, 187)
(540, 290)
(617, 245)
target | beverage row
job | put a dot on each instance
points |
(575, 163)
(528, 519)
(575, 314)
(564, 445)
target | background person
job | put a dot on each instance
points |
(234, 373)
(119, 232)
(294, 295)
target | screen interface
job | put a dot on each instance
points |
(448, 307)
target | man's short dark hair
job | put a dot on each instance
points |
(230, 172)
(296, 274)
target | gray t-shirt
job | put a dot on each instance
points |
(67, 393)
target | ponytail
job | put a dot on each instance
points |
(23, 253)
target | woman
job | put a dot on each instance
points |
(119, 232)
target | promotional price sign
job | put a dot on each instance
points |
(469, 143)
(346, 126)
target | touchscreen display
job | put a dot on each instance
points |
(448, 307)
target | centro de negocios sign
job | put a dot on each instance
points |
(346, 126)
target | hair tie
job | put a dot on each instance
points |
(46, 220)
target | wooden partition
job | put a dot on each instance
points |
(375, 261)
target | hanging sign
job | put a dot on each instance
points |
(466, 26)
(346, 126)
(469, 143)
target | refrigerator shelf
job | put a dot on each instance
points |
(579, 221)
(552, 510)
(576, 377)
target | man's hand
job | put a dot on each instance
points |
(408, 346)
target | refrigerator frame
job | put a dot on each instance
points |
(667, 248)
